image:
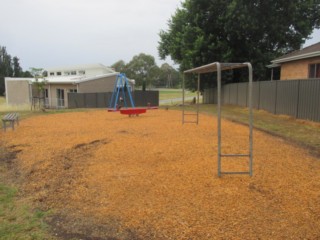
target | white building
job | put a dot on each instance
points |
(93, 78)
(87, 70)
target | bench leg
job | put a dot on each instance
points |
(4, 125)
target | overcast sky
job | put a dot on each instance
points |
(52, 33)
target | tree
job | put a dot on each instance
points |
(37, 73)
(139, 67)
(9, 67)
(6, 69)
(119, 66)
(169, 77)
(17, 70)
(237, 31)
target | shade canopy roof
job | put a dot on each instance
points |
(213, 67)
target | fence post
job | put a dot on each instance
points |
(276, 98)
(229, 95)
(237, 94)
(259, 95)
(247, 93)
(298, 99)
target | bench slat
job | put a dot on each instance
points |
(12, 118)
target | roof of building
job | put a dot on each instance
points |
(307, 52)
(85, 79)
(79, 67)
(68, 79)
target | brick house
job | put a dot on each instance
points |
(300, 64)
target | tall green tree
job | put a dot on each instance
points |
(6, 69)
(17, 70)
(119, 66)
(204, 31)
(169, 77)
(9, 67)
(139, 67)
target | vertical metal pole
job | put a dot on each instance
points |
(49, 94)
(123, 83)
(114, 92)
(250, 120)
(129, 90)
(219, 117)
(198, 98)
(183, 98)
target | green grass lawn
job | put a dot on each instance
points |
(304, 133)
(165, 93)
(18, 221)
(2, 100)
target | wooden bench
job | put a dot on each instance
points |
(11, 118)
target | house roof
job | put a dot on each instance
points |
(85, 79)
(307, 52)
(79, 67)
(62, 79)
(68, 79)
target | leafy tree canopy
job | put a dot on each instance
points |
(38, 73)
(139, 67)
(204, 31)
(9, 67)
(145, 71)
(119, 66)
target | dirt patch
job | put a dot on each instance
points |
(115, 177)
(64, 227)
(9, 154)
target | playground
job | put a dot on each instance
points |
(105, 175)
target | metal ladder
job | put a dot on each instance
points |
(250, 154)
(184, 114)
(218, 67)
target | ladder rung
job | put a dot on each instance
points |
(234, 155)
(234, 172)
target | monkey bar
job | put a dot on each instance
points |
(218, 67)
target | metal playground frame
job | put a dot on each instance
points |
(218, 67)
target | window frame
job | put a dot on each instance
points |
(314, 70)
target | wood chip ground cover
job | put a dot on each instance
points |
(108, 176)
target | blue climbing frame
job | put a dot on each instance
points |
(121, 84)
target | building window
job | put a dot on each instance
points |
(66, 73)
(58, 73)
(314, 70)
(73, 90)
(73, 72)
(51, 73)
(82, 72)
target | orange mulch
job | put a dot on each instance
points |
(150, 177)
